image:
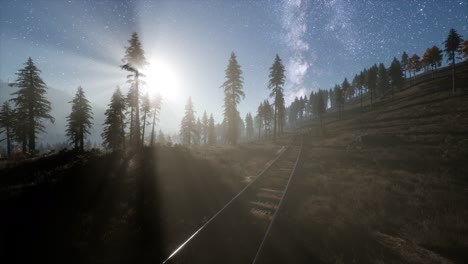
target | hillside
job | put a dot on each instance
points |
(386, 185)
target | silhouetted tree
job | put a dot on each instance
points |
(452, 44)
(156, 103)
(345, 86)
(383, 82)
(414, 64)
(232, 95)
(371, 81)
(31, 105)
(404, 62)
(146, 112)
(211, 131)
(134, 62)
(79, 120)
(276, 86)
(319, 106)
(205, 127)
(249, 126)
(7, 122)
(187, 130)
(113, 134)
(339, 98)
(463, 50)
(396, 76)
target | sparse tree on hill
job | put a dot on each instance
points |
(463, 50)
(371, 81)
(345, 86)
(404, 62)
(113, 134)
(31, 105)
(134, 62)
(232, 95)
(414, 64)
(319, 106)
(79, 120)
(396, 76)
(187, 130)
(339, 98)
(382, 82)
(452, 45)
(276, 85)
(7, 122)
(211, 131)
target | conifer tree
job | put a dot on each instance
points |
(414, 64)
(134, 62)
(339, 98)
(156, 104)
(463, 50)
(79, 120)
(276, 85)
(249, 126)
(145, 111)
(396, 76)
(371, 81)
(113, 134)
(211, 131)
(7, 122)
(404, 62)
(452, 45)
(319, 106)
(205, 127)
(31, 105)
(345, 86)
(187, 130)
(382, 82)
(232, 95)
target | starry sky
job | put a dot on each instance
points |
(81, 42)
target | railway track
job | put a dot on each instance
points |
(236, 233)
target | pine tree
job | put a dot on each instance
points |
(463, 50)
(113, 134)
(31, 105)
(452, 44)
(198, 132)
(345, 86)
(319, 106)
(339, 98)
(79, 120)
(156, 104)
(404, 62)
(161, 138)
(371, 81)
(205, 127)
(383, 82)
(276, 86)
(134, 62)
(7, 122)
(396, 75)
(211, 131)
(187, 129)
(414, 64)
(232, 96)
(249, 126)
(145, 111)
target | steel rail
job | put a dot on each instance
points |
(257, 255)
(225, 206)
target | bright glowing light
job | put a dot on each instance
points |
(161, 78)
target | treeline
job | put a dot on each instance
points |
(378, 82)
(22, 117)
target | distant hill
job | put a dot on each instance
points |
(55, 133)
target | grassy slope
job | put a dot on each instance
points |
(399, 197)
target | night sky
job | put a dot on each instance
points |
(82, 43)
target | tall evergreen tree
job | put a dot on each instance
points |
(371, 81)
(339, 98)
(319, 106)
(187, 130)
(463, 50)
(404, 62)
(156, 104)
(232, 95)
(134, 62)
(79, 120)
(7, 122)
(276, 86)
(113, 134)
(249, 126)
(205, 127)
(146, 112)
(346, 87)
(31, 105)
(382, 82)
(396, 76)
(414, 64)
(452, 44)
(211, 131)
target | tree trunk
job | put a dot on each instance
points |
(137, 114)
(453, 72)
(8, 142)
(143, 132)
(32, 134)
(81, 138)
